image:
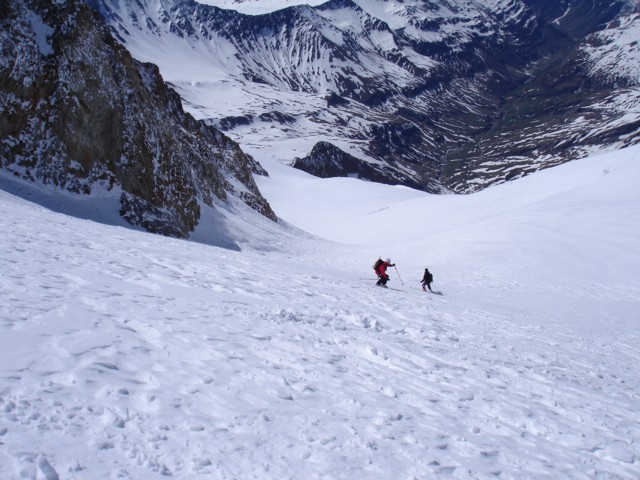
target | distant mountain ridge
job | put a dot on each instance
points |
(80, 114)
(442, 95)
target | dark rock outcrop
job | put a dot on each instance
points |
(327, 160)
(79, 113)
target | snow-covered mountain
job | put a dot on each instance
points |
(80, 115)
(258, 7)
(127, 355)
(136, 356)
(445, 95)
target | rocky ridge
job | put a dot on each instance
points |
(80, 114)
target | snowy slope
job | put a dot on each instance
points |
(614, 52)
(128, 355)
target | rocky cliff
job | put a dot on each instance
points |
(80, 114)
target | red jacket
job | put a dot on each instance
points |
(382, 269)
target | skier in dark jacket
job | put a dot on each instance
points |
(426, 280)
(383, 278)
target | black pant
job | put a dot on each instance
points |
(382, 280)
(427, 284)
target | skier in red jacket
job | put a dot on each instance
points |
(383, 278)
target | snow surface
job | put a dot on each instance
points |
(41, 33)
(128, 355)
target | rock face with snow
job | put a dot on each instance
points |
(326, 160)
(79, 113)
(447, 95)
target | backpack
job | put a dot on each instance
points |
(376, 265)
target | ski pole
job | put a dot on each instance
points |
(398, 275)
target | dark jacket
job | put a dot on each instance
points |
(428, 278)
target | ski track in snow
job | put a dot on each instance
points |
(127, 355)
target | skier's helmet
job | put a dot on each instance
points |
(388, 260)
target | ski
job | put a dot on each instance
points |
(434, 292)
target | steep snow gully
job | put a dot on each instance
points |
(128, 355)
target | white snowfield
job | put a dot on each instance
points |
(125, 355)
